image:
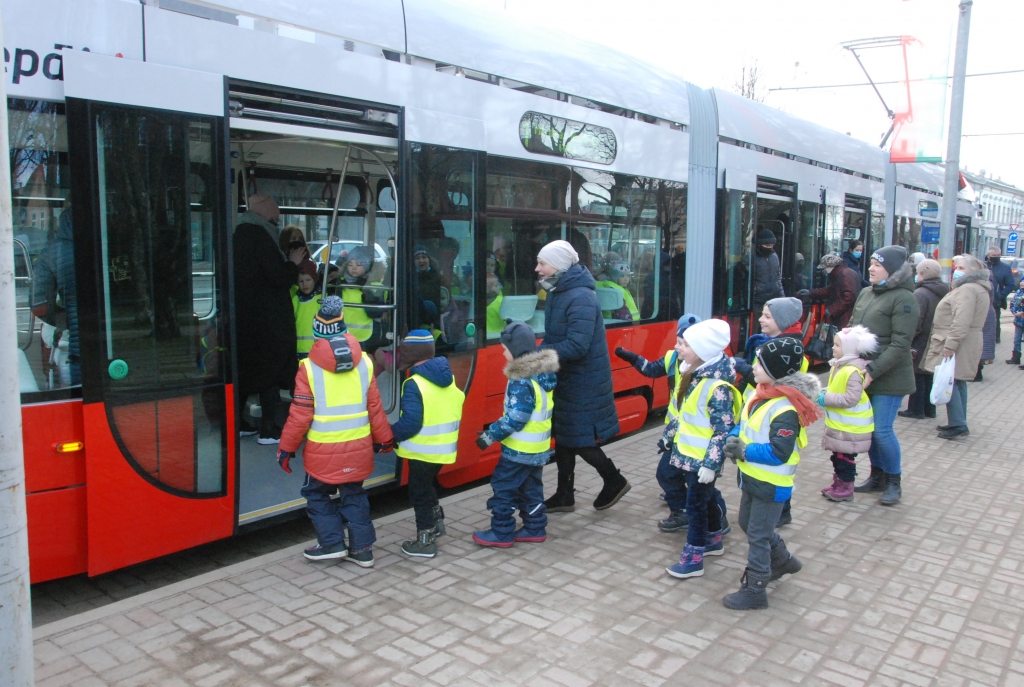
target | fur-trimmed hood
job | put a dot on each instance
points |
(806, 384)
(982, 277)
(903, 278)
(532, 365)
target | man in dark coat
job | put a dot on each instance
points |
(767, 272)
(928, 292)
(584, 414)
(841, 292)
(1003, 284)
(53, 287)
(265, 321)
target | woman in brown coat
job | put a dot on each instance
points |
(957, 329)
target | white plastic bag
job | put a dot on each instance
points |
(942, 381)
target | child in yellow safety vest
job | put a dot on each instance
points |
(849, 420)
(708, 408)
(305, 304)
(360, 288)
(336, 410)
(427, 433)
(524, 431)
(766, 449)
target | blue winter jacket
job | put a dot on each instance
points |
(585, 412)
(520, 401)
(436, 371)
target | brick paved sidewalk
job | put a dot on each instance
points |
(930, 592)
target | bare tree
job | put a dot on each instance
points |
(750, 83)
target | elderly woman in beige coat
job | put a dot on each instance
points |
(958, 329)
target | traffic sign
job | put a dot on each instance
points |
(1012, 236)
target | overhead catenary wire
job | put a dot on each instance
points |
(887, 83)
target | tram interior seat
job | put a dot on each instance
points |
(518, 308)
(537, 322)
(609, 300)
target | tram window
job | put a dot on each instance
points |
(807, 230)
(550, 135)
(877, 231)
(736, 251)
(443, 223)
(907, 233)
(834, 229)
(41, 213)
(162, 360)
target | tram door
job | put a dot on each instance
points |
(856, 227)
(145, 143)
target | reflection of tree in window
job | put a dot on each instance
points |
(550, 135)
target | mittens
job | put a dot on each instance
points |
(629, 356)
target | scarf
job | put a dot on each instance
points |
(840, 362)
(710, 362)
(805, 408)
(250, 217)
(549, 283)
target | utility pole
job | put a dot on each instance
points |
(947, 228)
(16, 665)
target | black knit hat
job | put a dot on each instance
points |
(330, 319)
(781, 357)
(891, 258)
(518, 338)
(765, 238)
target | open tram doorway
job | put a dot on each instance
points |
(320, 161)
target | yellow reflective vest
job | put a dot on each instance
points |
(305, 313)
(673, 393)
(695, 432)
(359, 323)
(339, 402)
(535, 437)
(859, 419)
(438, 438)
(755, 429)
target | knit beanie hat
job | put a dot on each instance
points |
(417, 346)
(858, 340)
(928, 269)
(518, 338)
(708, 338)
(419, 249)
(308, 267)
(781, 357)
(830, 260)
(891, 258)
(785, 311)
(765, 237)
(917, 258)
(363, 255)
(685, 322)
(559, 254)
(617, 270)
(264, 206)
(330, 319)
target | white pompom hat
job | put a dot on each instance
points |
(859, 340)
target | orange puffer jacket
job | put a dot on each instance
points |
(336, 463)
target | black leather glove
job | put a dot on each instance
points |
(283, 458)
(803, 294)
(484, 440)
(384, 448)
(663, 446)
(629, 356)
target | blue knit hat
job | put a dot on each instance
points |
(417, 346)
(330, 319)
(518, 338)
(685, 322)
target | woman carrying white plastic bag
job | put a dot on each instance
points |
(957, 329)
(943, 381)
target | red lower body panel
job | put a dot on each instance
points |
(57, 533)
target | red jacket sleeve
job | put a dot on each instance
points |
(300, 417)
(380, 428)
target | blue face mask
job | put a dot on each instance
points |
(915, 278)
(957, 274)
(857, 254)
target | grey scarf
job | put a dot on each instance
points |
(249, 217)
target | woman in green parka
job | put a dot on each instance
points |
(888, 308)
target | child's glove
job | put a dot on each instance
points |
(706, 475)
(664, 446)
(484, 440)
(629, 356)
(386, 447)
(734, 449)
(283, 458)
(821, 399)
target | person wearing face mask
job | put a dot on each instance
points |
(929, 290)
(584, 416)
(889, 310)
(841, 292)
(767, 272)
(854, 259)
(1002, 285)
(958, 329)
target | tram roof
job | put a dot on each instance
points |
(744, 120)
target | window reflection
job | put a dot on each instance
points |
(566, 138)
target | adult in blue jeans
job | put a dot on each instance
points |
(888, 308)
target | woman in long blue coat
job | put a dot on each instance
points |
(584, 413)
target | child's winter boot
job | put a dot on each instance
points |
(676, 520)
(439, 521)
(783, 562)
(842, 491)
(691, 563)
(492, 538)
(714, 547)
(825, 491)
(423, 546)
(753, 593)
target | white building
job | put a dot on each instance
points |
(1002, 211)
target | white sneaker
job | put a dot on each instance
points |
(267, 441)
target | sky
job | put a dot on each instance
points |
(796, 43)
